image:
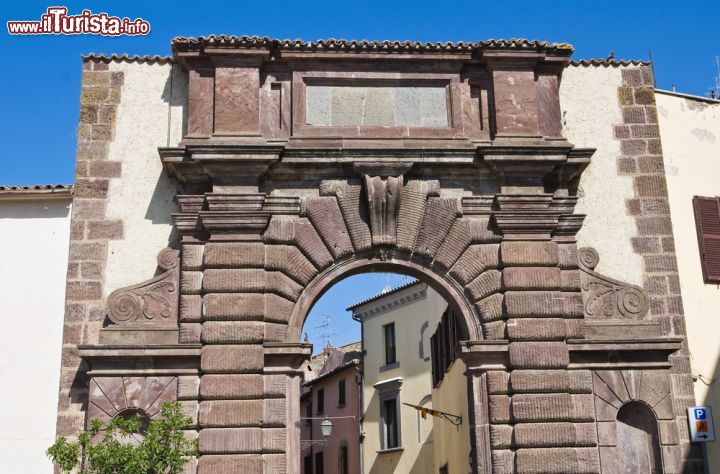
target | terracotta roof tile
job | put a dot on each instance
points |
(363, 45)
(128, 59)
(608, 62)
(37, 187)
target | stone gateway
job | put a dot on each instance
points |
(261, 171)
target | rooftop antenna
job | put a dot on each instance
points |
(715, 91)
(326, 327)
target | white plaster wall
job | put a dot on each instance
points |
(150, 115)
(34, 240)
(590, 108)
(690, 134)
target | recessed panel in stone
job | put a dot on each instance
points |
(401, 106)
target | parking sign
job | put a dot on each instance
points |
(701, 424)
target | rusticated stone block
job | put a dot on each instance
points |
(570, 280)
(274, 411)
(490, 308)
(607, 433)
(528, 253)
(230, 441)
(572, 381)
(190, 408)
(229, 332)
(275, 385)
(539, 355)
(232, 359)
(275, 463)
(535, 435)
(498, 382)
(231, 413)
(188, 387)
(465, 231)
(190, 308)
(230, 464)
(354, 212)
(499, 409)
(531, 278)
(501, 436)
(503, 461)
(275, 332)
(191, 282)
(325, 215)
(282, 285)
(233, 307)
(413, 199)
(189, 333)
(495, 330)
(540, 407)
(475, 260)
(485, 285)
(274, 440)
(530, 304)
(233, 254)
(278, 309)
(575, 328)
(558, 460)
(440, 213)
(669, 433)
(302, 233)
(191, 257)
(231, 386)
(567, 256)
(536, 329)
(291, 262)
(246, 280)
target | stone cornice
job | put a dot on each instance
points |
(383, 303)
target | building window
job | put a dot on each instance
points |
(389, 343)
(341, 392)
(707, 223)
(307, 464)
(308, 413)
(319, 463)
(391, 433)
(442, 345)
(389, 399)
(343, 465)
(321, 400)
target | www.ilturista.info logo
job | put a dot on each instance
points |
(57, 22)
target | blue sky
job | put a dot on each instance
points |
(41, 75)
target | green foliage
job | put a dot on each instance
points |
(116, 448)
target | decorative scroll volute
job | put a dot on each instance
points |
(153, 301)
(607, 298)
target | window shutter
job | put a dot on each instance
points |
(707, 220)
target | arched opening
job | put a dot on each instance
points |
(377, 380)
(132, 413)
(638, 442)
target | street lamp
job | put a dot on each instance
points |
(326, 428)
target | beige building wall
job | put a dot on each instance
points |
(590, 108)
(690, 133)
(452, 443)
(34, 238)
(412, 330)
(151, 94)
